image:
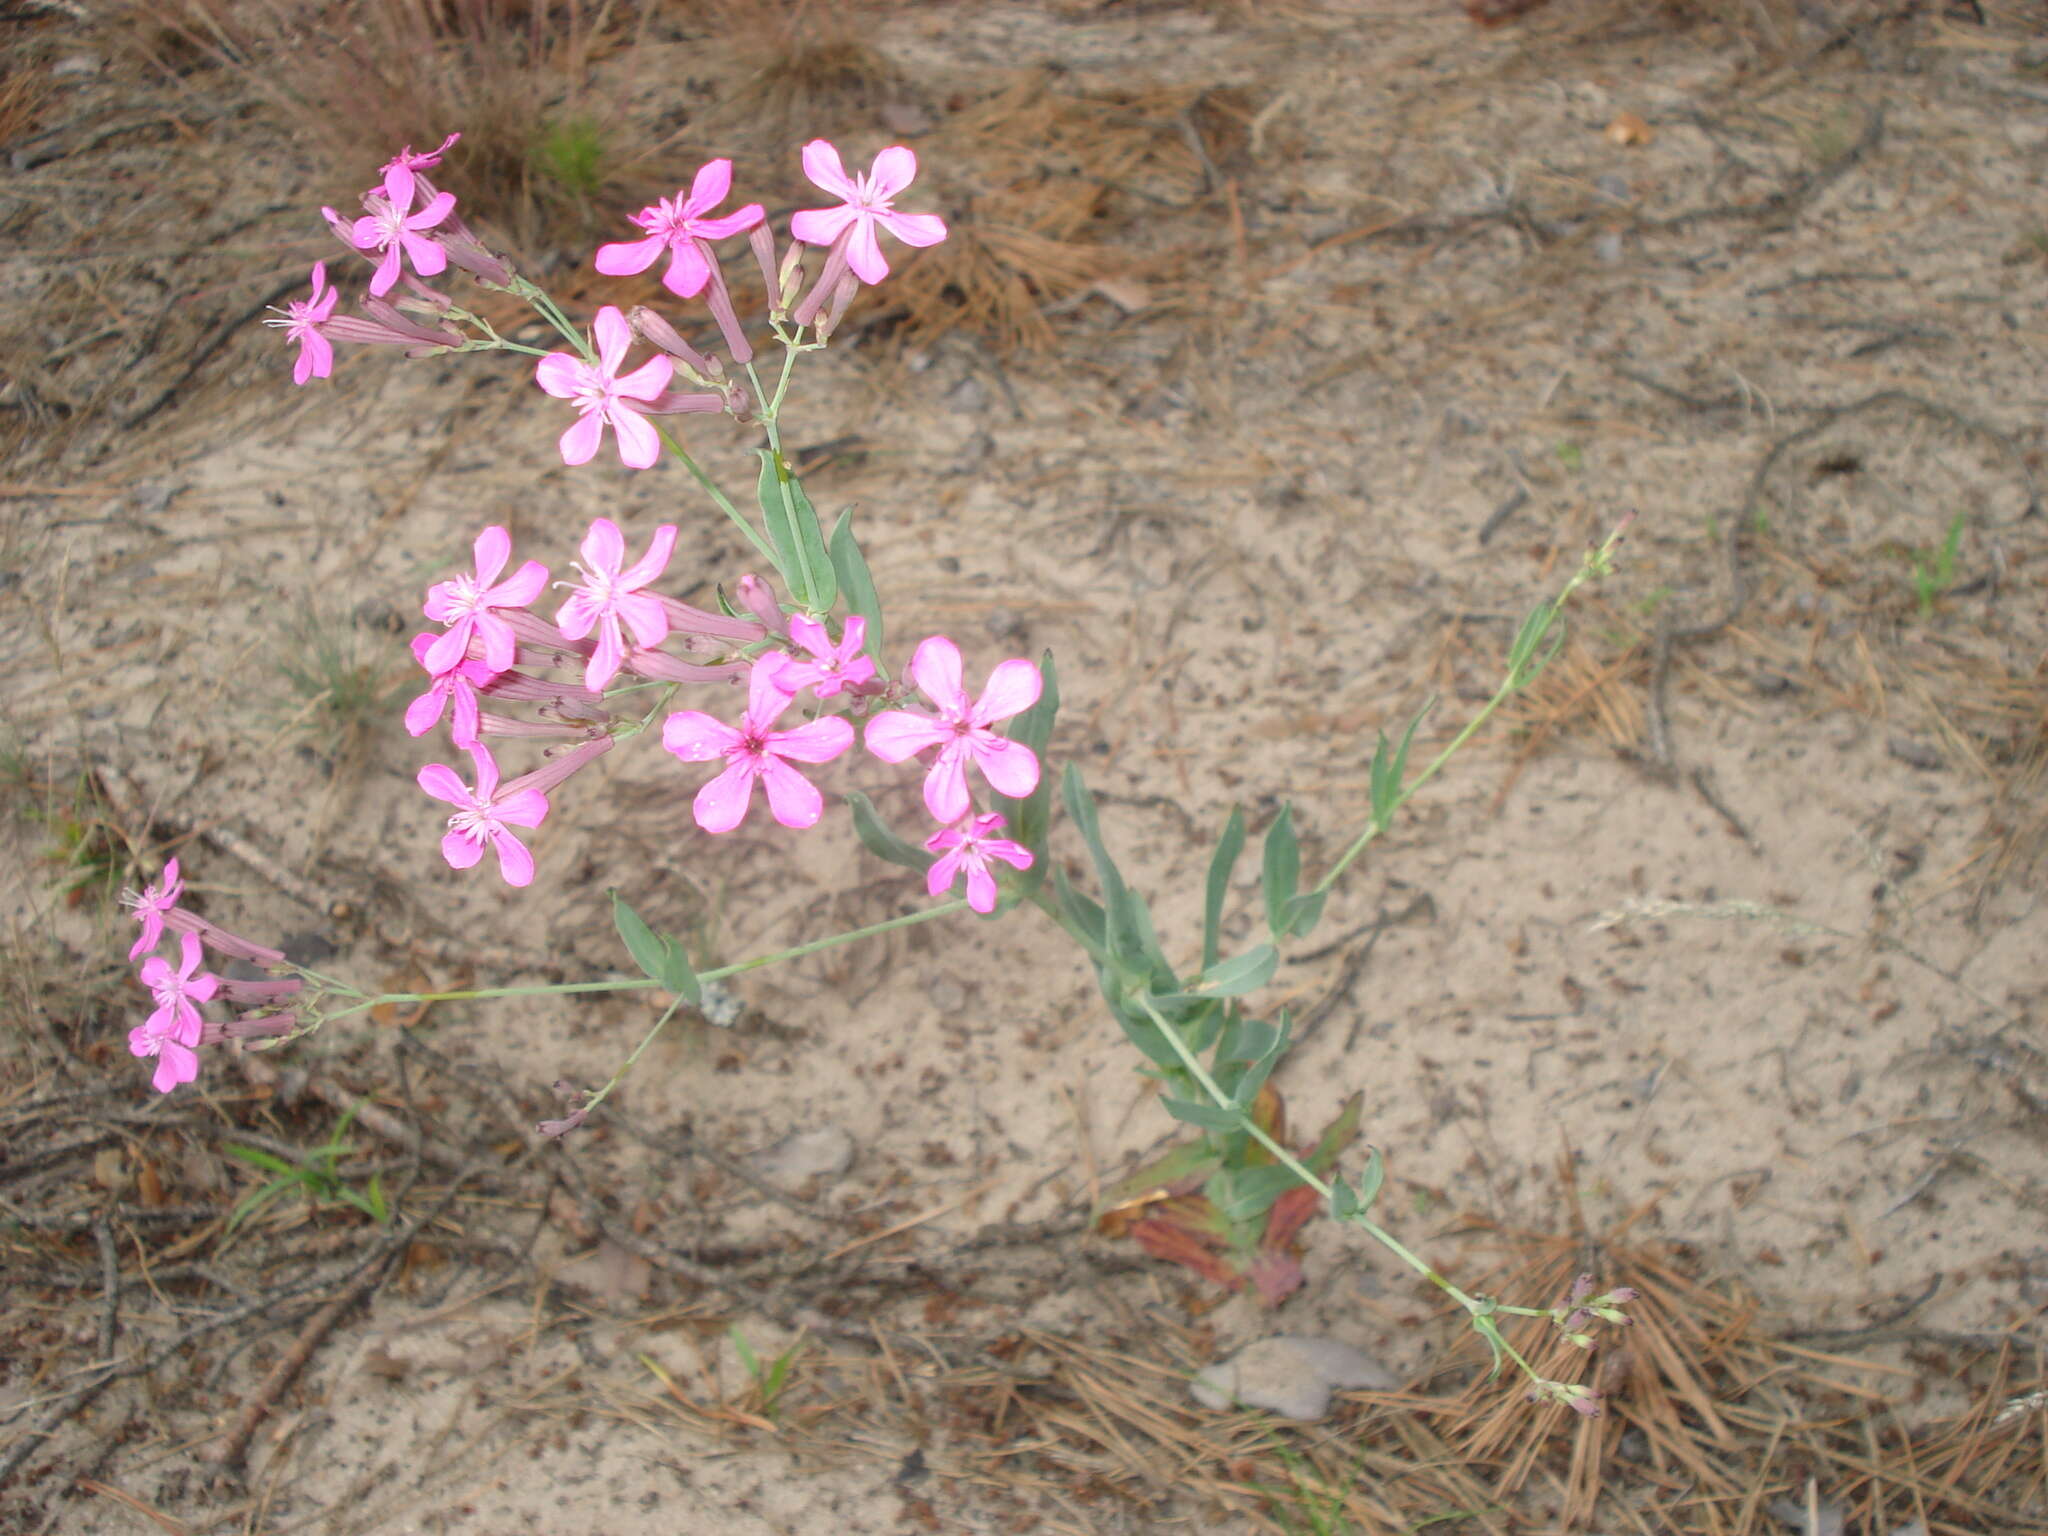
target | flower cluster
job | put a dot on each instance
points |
(409, 231)
(177, 1028)
(615, 632)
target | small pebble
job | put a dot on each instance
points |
(825, 1152)
(1289, 1374)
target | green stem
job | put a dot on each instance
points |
(711, 489)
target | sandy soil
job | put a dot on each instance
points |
(1738, 936)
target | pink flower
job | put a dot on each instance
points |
(172, 1032)
(961, 730)
(611, 601)
(391, 226)
(301, 322)
(464, 603)
(457, 684)
(484, 818)
(970, 846)
(756, 750)
(153, 906)
(604, 398)
(868, 201)
(424, 160)
(831, 668)
(681, 225)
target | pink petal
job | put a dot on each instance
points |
(579, 443)
(614, 338)
(766, 697)
(493, 548)
(386, 275)
(696, 737)
(439, 209)
(896, 734)
(793, 799)
(501, 646)
(1010, 767)
(428, 257)
(639, 443)
(864, 252)
(522, 808)
(722, 804)
(603, 547)
(156, 970)
(577, 615)
(687, 272)
(446, 651)
(1012, 688)
(646, 381)
(981, 888)
(560, 374)
(515, 860)
(466, 729)
(821, 165)
(461, 850)
(935, 668)
(486, 772)
(914, 228)
(525, 584)
(645, 617)
(945, 788)
(606, 660)
(399, 185)
(731, 224)
(895, 168)
(708, 188)
(424, 712)
(810, 634)
(818, 742)
(821, 226)
(939, 878)
(628, 256)
(175, 1064)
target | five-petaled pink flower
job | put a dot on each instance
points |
(756, 750)
(961, 730)
(484, 818)
(457, 685)
(464, 604)
(610, 600)
(970, 846)
(391, 226)
(302, 320)
(680, 225)
(171, 1034)
(603, 397)
(831, 667)
(153, 906)
(868, 201)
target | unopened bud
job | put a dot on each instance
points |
(758, 598)
(657, 332)
(790, 278)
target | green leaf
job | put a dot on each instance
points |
(1248, 1193)
(1303, 912)
(1127, 925)
(1183, 1162)
(880, 841)
(660, 956)
(1233, 977)
(1221, 864)
(792, 523)
(1390, 769)
(749, 1361)
(257, 1158)
(1282, 872)
(1147, 1036)
(1341, 1132)
(856, 583)
(1209, 1117)
(1030, 819)
(1348, 1200)
(1254, 1076)
(1522, 665)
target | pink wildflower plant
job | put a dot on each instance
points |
(390, 226)
(969, 847)
(457, 686)
(681, 225)
(418, 160)
(151, 908)
(301, 323)
(830, 668)
(172, 1033)
(867, 203)
(961, 730)
(755, 750)
(484, 818)
(464, 604)
(606, 399)
(612, 600)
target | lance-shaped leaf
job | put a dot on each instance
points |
(1221, 864)
(1030, 818)
(876, 837)
(1281, 871)
(660, 956)
(800, 553)
(856, 583)
(1390, 768)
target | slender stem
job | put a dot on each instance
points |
(627, 1065)
(926, 915)
(711, 489)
